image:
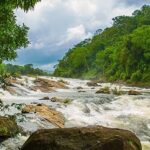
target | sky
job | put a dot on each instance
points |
(57, 25)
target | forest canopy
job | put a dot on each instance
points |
(120, 52)
(18, 70)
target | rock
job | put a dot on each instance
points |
(43, 89)
(11, 81)
(47, 113)
(46, 85)
(1, 103)
(45, 98)
(89, 138)
(63, 81)
(79, 88)
(67, 101)
(92, 83)
(117, 92)
(132, 92)
(8, 127)
(81, 91)
(104, 90)
(11, 90)
(34, 103)
(55, 99)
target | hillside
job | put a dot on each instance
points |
(121, 52)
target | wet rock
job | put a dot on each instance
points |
(81, 91)
(63, 101)
(1, 103)
(67, 101)
(34, 103)
(45, 98)
(47, 113)
(89, 138)
(11, 81)
(8, 127)
(132, 92)
(118, 92)
(46, 85)
(63, 81)
(104, 90)
(55, 99)
(79, 88)
(39, 104)
(92, 83)
(42, 89)
(11, 90)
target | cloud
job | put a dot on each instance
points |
(82, 8)
(57, 25)
(138, 2)
(77, 33)
(47, 66)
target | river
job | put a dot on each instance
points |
(87, 108)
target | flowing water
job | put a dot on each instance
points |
(87, 108)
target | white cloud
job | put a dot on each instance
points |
(82, 7)
(38, 45)
(56, 25)
(47, 66)
(75, 33)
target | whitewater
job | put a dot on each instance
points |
(131, 112)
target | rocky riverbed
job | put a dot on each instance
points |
(48, 102)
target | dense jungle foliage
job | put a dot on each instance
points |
(120, 52)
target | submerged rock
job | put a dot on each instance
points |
(89, 138)
(132, 92)
(92, 83)
(79, 88)
(8, 127)
(81, 91)
(118, 92)
(47, 113)
(56, 99)
(45, 98)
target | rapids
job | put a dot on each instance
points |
(87, 108)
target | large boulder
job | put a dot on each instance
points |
(8, 127)
(89, 138)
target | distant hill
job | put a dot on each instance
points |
(17, 70)
(121, 52)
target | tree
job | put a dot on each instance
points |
(120, 52)
(12, 35)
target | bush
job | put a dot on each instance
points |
(67, 101)
(137, 76)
